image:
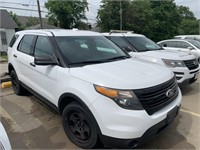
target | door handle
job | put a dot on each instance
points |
(32, 64)
(15, 56)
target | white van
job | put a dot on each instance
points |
(184, 65)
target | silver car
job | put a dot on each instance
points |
(190, 46)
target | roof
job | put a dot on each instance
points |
(122, 34)
(61, 32)
(45, 26)
(6, 21)
(178, 40)
(24, 20)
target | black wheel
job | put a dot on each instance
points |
(18, 89)
(79, 126)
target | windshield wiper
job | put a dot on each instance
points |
(87, 62)
(118, 58)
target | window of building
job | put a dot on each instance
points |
(3, 38)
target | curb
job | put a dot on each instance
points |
(5, 79)
(6, 84)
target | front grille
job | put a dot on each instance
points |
(155, 98)
(191, 64)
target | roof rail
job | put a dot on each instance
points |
(120, 31)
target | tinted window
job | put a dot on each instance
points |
(170, 44)
(195, 43)
(14, 38)
(43, 47)
(143, 44)
(26, 44)
(88, 48)
(120, 42)
(182, 44)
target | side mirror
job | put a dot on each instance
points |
(190, 48)
(164, 45)
(45, 60)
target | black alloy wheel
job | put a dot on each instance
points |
(18, 89)
(79, 126)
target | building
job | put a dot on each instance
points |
(7, 29)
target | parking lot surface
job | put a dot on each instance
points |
(32, 125)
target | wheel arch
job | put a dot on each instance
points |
(67, 98)
(10, 67)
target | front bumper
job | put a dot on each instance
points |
(149, 134)
(184, 75)
(118, 123)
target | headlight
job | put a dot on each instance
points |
(173, 63)
(125, 99)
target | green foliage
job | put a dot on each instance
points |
(189, 27)
(189, 24)
(156, 19)
(109, 14)
(32, 21)
(69, 13)
(14, 16)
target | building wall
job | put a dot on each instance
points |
(9, 35)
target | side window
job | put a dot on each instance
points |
(3, 38)
(26, 44)
(43, 47)
(13, 40)
(169, 44)
(182, 45)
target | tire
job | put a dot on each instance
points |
(199, 60)
(79, 126)
(18, 89)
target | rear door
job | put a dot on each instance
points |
(22, 56)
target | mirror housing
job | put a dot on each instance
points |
(45, 60)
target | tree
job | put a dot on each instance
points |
(32, 21)
(189, 24)
(69, 13)
(109, 15)
(155, 19)
(165, 20)
(14, 16)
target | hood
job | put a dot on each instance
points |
(168, 54)
(123, 74)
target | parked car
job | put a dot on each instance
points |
(184, 65)
(188, 37)
(190, 46)
(101, 93)
(4, 140)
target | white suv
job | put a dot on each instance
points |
(100, 92)
(185, 66)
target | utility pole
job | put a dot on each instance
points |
(39, 12)
(120, 13)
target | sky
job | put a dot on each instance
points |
(194, 6)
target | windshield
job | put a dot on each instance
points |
(195, 43)
(89, 49)
(143, 44)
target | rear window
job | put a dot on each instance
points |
(13, 40)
